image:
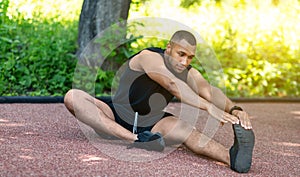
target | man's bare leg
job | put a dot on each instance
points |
(179, 131)
(96, 114)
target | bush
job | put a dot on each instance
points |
(37, 55)
(262, 78)
(38, 59)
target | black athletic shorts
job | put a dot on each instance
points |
(123, 123)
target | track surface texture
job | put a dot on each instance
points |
(46, 140)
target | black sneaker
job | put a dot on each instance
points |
(241, 151)
(149, 141)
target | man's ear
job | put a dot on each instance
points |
(168, 49)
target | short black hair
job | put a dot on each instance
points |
(182, 34)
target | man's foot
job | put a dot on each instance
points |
(149, 141)
(241, 151)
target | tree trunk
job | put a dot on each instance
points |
(97, 15)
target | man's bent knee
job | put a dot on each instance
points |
(69, 98)
(174, 129)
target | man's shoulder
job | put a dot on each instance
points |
(146, 58)
(152, 52)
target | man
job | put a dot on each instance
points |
(150, 80)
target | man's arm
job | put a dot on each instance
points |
(215, 96)
(153, 64)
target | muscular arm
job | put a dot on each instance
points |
(215, 96)
(208, 92)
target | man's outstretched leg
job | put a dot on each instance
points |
(179, 131)
(96, 114)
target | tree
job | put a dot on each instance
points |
(97, 15)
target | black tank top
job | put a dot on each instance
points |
(137, 92)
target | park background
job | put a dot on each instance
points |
(256, 42)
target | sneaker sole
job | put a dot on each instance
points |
(242, 149)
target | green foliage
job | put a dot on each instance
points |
(33, 62)
(189, 3)
(36, 56)
(3, 10)
(257, 45)
(263, 78)
(136, 4)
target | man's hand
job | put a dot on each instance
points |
(244, 118)
(223, 116)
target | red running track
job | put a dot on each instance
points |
(45, 140)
